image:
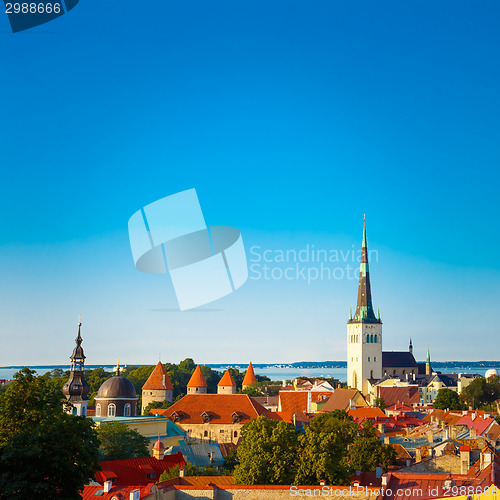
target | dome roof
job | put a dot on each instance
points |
(158, 445)
(117, 387)
(490, 373)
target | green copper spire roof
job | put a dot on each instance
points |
(364, 308)
(428, 360)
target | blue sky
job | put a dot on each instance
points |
(291, 119)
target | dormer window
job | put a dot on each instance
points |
(206, 417)
(176, 417)
(236, 417)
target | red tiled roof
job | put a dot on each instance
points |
(339, 400)
(480, 424)
(227, 380)
(198, 481)
(250, 377)
(158, 380)
(407, 395)
(135, 470)
(293, 401)
(410, 485)
(91, 492)
(399, 407)
(197, 379)
(319, 396)
(220, 407)
(366, 413)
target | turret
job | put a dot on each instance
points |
(76, 388)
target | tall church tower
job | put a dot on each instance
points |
(364, 333)
(77, 388)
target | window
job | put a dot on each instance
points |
(126, 410)
(235, 434)
(98, 410)
(112, 410)
(375, 358)
(376, 339)
(205, 434)
(368, 359)
(222, 430)
(151, 475)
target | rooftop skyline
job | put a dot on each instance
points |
(291, 120)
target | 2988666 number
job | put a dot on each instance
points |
(32, 8)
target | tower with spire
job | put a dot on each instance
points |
(77, 388)
(364, 332)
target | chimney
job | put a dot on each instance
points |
(408, 462)
(464, 459)
(284, 383)
(181, 472)
(135, 494)
(107, 486)
(449, 483)
(486, 459)
(385, 479)
(430, 437)
(418, 455)
(322, 482)
(473, 432)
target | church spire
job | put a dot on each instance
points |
(76, 388)
(364, 309)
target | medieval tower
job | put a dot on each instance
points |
(364, 333)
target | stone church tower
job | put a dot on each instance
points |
(364, 333)
(76, 388)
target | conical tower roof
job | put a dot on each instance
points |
(227, 380)
(158, 380)
(197, 379)
(364, 308)
(250, 377)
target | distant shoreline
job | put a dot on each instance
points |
(296, 365)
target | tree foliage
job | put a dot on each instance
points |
(380, 403)
(332, 446)
(156, 405)
(44, 452)
(367, 452)
(324, 449)
(481, 392)
(119, 442)
(447, 399)
(267, 453)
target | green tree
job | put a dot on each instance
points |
(156, 405)
(169, 474)
(380, 403)
(252, 390)
(367, 451)
(448, 399)
(230, 462)
(323, 451)
(95, 379)
(44, 452)
(481, 392)
(119, 442)
(267, 453)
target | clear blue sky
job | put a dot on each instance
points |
(291, 119)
